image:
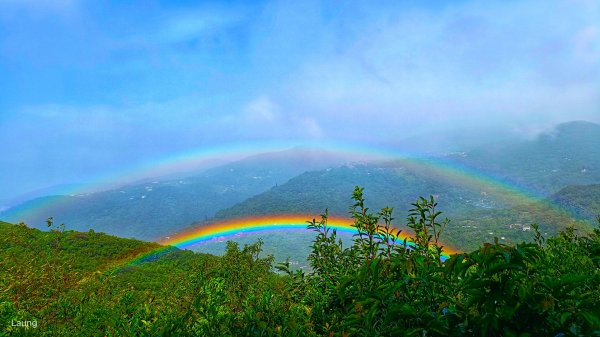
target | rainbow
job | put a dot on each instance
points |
(196, 157)
(442, 168)
(235, 227)
(230, 228)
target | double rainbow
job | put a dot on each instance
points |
(442, 168)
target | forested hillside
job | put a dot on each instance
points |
(157, 208)
(580, 201)
(478, 212)
(389, 183)
(74, 283)
(567, 155)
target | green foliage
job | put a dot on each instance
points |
(75, 283)
(153, 210)
(547, 288)
(582, 201)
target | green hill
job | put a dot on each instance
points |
(479, 212)
(155, 209)
(66, 283)
(582, 201)
(395, 183)
(567, 155)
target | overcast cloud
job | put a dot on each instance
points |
(89, 87)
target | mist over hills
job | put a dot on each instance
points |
(566, 155)
(157, 208)
(581, 201)
(306, 181)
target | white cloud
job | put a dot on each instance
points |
(309, 127)
(261, 110)
(263, 116)
(587, 44)
(471, 64)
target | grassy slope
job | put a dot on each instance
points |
(80, 284)
(72, 282)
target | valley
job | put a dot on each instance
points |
(482, 201)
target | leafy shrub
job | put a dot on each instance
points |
(379, 285)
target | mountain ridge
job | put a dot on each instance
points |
(154, 209)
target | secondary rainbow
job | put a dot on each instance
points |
(441, 167)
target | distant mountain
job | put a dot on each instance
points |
(396, 184)
(582, 201)
(478, 213)
(306, 181)
(157, 208)
(566, 155)
(50, 190)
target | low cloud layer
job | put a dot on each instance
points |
(91, 87)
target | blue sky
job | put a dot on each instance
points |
(92, 86)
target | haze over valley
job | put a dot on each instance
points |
(486, 182)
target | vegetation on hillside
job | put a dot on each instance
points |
(569, 155)
(307, 180)
(81, 284)
(582, 201)
(478, 215)
(153, 209)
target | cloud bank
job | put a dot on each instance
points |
(88, 87)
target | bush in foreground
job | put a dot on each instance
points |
(379, 285)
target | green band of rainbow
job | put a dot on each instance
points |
(202, 234)
(205, 233)
(442, 168)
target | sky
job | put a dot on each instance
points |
(90, 87)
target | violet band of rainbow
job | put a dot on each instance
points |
(226, 229)
(443, 168)
(202, 234)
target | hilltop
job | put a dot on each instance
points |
(303, 180)
(156, 208)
